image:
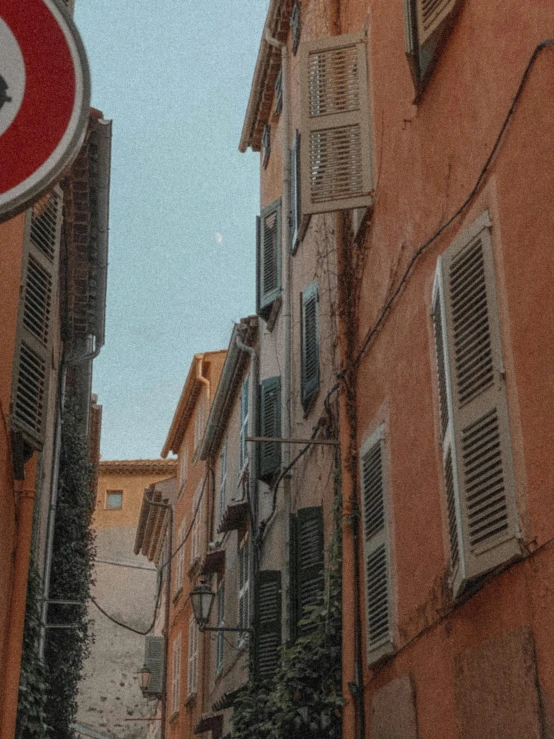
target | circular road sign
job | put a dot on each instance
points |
(44, 98)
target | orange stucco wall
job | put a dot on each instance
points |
(427, 158)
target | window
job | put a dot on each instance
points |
(183, 467)
(270, 426)
(310, 345)
(267, 636)
(268, 252)
(114, 499)
(244, 587)
(199, 422)
(474, 421)
(180, 569)
(278, 107)
(336, 145)
(176, 675)
(244, 400)
(427, 27)
(196, 523)
(154, 660)
(192, 680)
(298, 222)
(376, 548)
(295, 26)
(33, 348)
(220, 623)
(223, 480)
(266, 145)
(306, 564)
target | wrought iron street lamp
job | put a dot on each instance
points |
(202, 598)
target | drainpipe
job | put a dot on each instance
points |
(8, 715)
(169, 510)
(287, 325)
(51, 517)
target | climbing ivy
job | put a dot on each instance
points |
(71, 579)
(303, 698)
(31, 708)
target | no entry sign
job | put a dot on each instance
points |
(44, 98)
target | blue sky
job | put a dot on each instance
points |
(174, 76)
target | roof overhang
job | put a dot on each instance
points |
(235, 362)
(267, 68)
(153, 520)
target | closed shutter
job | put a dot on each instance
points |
(310, 344)
(154, 660)
(32, 359)
(309, 549)
(432, 16)
(268, 239)
(336, 144)
(221, 624)
(376, 549)
(268, 623)
(176, 675)
(270, 426)
(244, 587)
(479, 471)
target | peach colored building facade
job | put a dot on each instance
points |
(426, 159)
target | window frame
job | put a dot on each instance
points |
(109, 493)
(192, 663)
(176, 675)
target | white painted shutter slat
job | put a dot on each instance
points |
(335, 153)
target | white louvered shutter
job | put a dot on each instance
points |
(478, 463)
(32, 359)
(336, 145)
(432, 15)
(376, 549)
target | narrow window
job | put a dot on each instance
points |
(183, 467)
(244, 587)
(376, 548)
(244, 402)
(180, 569)
(266, 145)
(295, 27)
(221, 624)
(270, 427)
(192, 676)
(310, 345)
(223, 480)
(114, 499)
(474, 421)
(176, 675)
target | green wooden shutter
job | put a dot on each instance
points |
(270, 425)
(269, 258)
(293, 609)
(309, 550)
(154, 660)
(376, 548)
(310, 344)
(479, 474)
(35, 332)
(268, 623)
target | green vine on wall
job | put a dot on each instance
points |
(303, 699)
(71, 579)
(31, 708)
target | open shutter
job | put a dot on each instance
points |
(154, 660)
(309, 559)
(336, 144)
(244, 587)
(32, 359)
(310, 344)
(432, 16)
(482, 468)
(270, 426)
(268, 623)
(376, 545)
(269, 258)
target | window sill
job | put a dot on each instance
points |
(190, 701)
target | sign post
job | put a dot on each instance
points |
(44, 99)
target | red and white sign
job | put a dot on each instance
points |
(44, 98)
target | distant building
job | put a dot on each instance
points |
(126, 588)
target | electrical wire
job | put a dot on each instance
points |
(547, 43)
(140, 632)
